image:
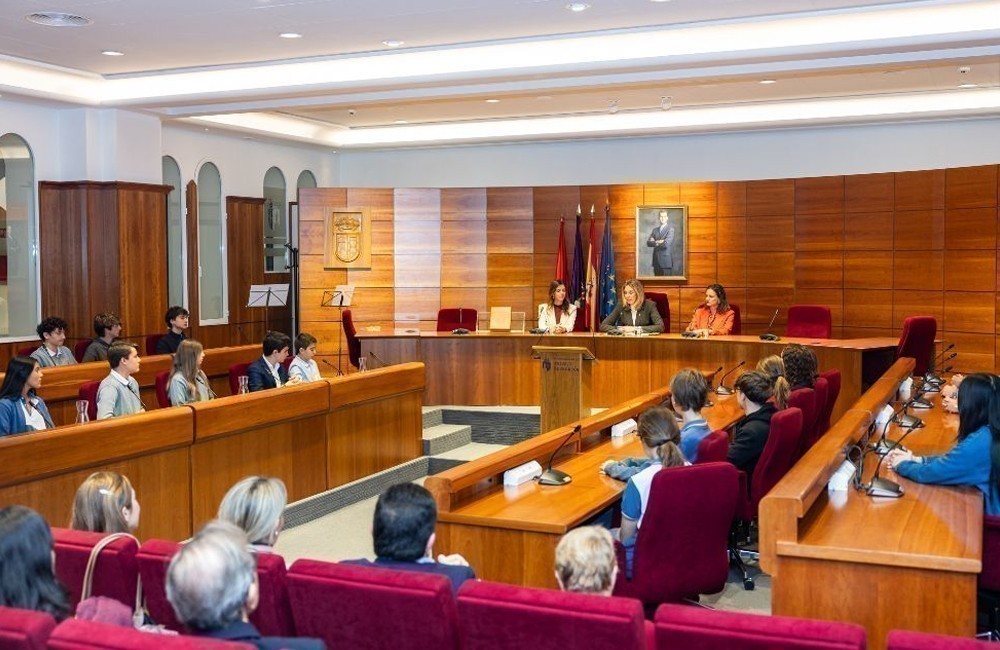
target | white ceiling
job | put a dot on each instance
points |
(554, 71)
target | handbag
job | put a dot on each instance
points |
(139, 610)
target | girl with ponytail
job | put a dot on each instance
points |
(774, 367)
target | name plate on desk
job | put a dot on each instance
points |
(500, 318)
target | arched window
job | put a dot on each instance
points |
(175, 233)
(306, 179)
(275, 221)
(19, 293)
(212, 292)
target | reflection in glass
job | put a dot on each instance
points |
(211, 245)
(18, 245)
(175, 232)
(275, 221)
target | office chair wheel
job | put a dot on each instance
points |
(748, 584)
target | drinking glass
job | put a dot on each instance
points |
(81, 411)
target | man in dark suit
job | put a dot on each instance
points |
(403, 532)
(268, 371)
(662, 242)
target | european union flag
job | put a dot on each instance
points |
(607, 292)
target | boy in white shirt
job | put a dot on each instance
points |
(303, 365)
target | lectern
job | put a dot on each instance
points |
(566, 383)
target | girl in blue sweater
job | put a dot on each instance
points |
(970, 462)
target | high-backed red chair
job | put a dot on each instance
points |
(663, 306)
(822, 389)
(709, 629)
(989, 577)
(79, 349)
(160, 384)
(153, 558)
(22, 629)
(917, 341)
(26, 352)
(832, 378)
(363, 607)
(451, 318)
(115, 574)
(236, 371)
(353, 344)
(151, 342)
(804, 399)
(737, 320)
(681, 547)
(88, 391)
(905, 640)
(539, 618)
(76, 634)
(713, 448)
(809, 322)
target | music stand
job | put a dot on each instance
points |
(340, 297)
(268, 295)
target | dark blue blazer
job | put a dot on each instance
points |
(259, 376)
(12, 417)
(247, 633)
(457, 574)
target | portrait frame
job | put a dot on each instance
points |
(347, 239)
(655, 259)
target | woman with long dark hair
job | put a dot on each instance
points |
(27, 577)
(20, 409)
(714, 317)
(974, 459)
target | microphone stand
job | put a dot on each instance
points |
(883, 487)
(553, 476)
(330, 365)
(931, 375)
(907, 421)
(721, 389)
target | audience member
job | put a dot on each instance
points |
(118, 393)
(801, 366)
(108, 327)
(774, 368)
(20, 409)
(256, 505)
(188, 383)
(27, 575)
(212, 587)
(177, 321)
(105, 503)
(268, 371)
(688, 395)
(403, 532)
(586, 561)
(753, 392)
(52, 352)
(303, 365)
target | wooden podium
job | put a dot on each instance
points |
(566, 384)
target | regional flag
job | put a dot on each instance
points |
(562, 269)
(607, 293)
(575, 288)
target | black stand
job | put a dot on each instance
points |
(336, 298)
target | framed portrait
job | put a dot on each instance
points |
(661, 242)
(347, 239)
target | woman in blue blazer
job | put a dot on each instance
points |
(20, 409)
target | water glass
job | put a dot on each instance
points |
(244, 384)
(81, 411)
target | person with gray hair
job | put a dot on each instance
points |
(586, 562)
(212, 586)
(256, 505)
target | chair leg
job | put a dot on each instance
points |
(740, 531)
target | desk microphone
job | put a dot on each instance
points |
(330, 365)
(721, 389)
(553, 476)
(930, 375)
(934, 382)
(908, 421)
(381, 364)
(769, 335)
(883, 487)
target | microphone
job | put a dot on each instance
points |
(381, 364)
(721, 389)
(768, 335)
(908, 421)
(330, 365)
(934, 381)
(883, 487)
(553, 476)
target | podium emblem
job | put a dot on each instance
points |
(546, 365)
(348, 238)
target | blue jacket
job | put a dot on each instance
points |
(12, 416)
(259, 376)
(968, 463)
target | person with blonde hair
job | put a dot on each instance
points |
(774, 367)
(586, 562)
(105, 503)
(256, 505)
(633, 314)
(188, 383)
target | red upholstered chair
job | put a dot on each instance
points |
(663, 306)
(539, 618)
(451, 318)
(235, 372)
(737, 319)
(902, 640)
(989, 577)
(115, 574)
(822, 389)
(832, 378)
(87, 635)
(162, 378)
(151, 342)
(809, 322)
(22, 629)
(79, 349)
(804, 399)
(681, 548)
(26, 352)
(353, 344)
(363, 607)
(678, 626)
(917, 341)
(153, 558)
(713, 448)
(88, 391)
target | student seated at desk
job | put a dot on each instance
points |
(118, 393)
(188, 382)
(105, 503)
(303, 367)
(177, 319)
(20, 409)
(753, 394)
(714, 317)
(586, 562)
(52, 353)
(108, 327)
(801, 366)
(688, 396)
(973, 460)
(558, 315)
(403, 532)
(774, 368)
(633, 313)
(269, 371)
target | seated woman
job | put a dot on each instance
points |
(303, 365)
(971, 461)
(256, 505)
(27, 574)
(585, 561)
(774, 368)
(188, 383)
(753, 394)
(105, 503)
(20, 409)
(714, 317)
(801, 366)
(558, 315)
(634, 313)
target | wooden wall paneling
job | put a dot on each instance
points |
(515, 236)
(421, 302)
(63, 235)
(556, 202)
(463, 204)
(381, 274)
(760, 305)
(973, 270)
(418, 270)
(770, 269)
(970, 228)
(702, 269)
(868, 308)
(474, 298)
(142, 222)
(969, 311)
(732, 234)
(916, 302)
(466, 236)
(509, 270)
(832, 298)
(771, 233)
(868, 231)
(509, 203)
(517, 298)
(971, 187)
(819, 232)
(623, 199)
(596, 196)
(416, 237)
(869, 193)
(820, 195)
(463, 270)
(701, 199)
(770, 197)
(703, 234)
(380, 201)
(975, 352)
(921, 190)
(661, 194)
(245, 255)
(868, 269)
(918, 229)
(732, 199)
(104, 247)
(918, 270)
(821, 269)
(732, 269)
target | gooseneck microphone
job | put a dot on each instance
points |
(330, 365)
(721, 389)
(553, 476)
(769, 335)
(883, 487)
(381, 364)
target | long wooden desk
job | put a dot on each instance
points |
(510, 534)
(497, 368)
(908, 563)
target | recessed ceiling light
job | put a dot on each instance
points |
(970, 85)
(492, 101)
(577, 7)
(612, 106)
(392, 42)
(666, 102)
(112, 53)
(290, 35)
(659, 0)
(768, 81)
(57, 19)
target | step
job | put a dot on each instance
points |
(433, 416)
(445, 437)
(495, 427)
